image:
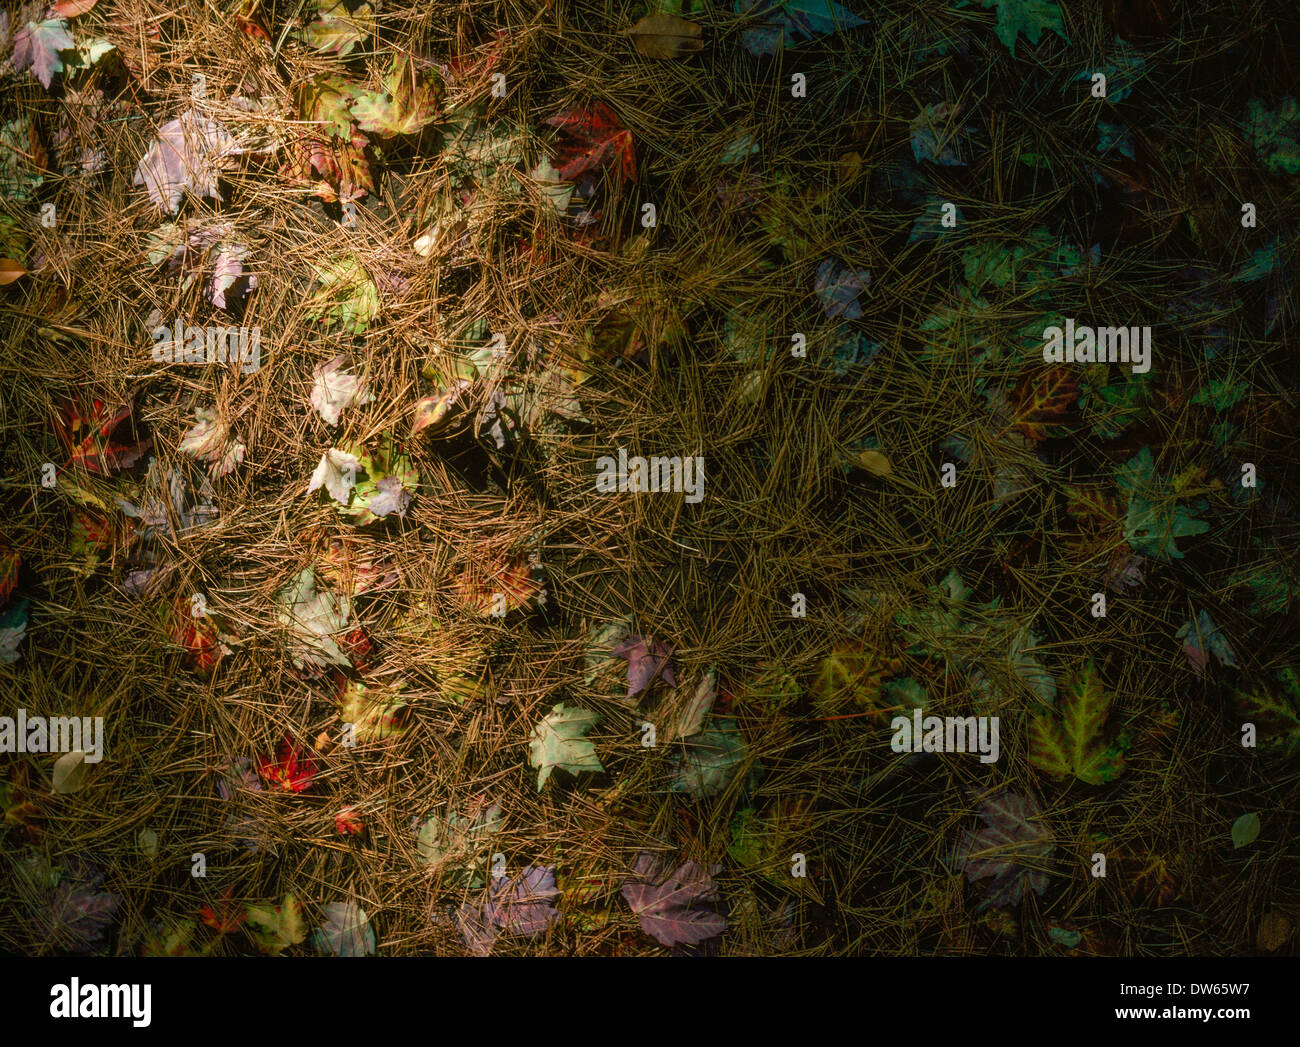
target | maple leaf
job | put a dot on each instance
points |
(1274, 709)
(291, 769)
(935, 137)
(786, 21)
(348, 822)
(674, 907)
(346, 931)
(1202, 639)
(596, 140)
(73, 914)
(1030, 17)
(234, 777)
(1073, 744)
(334, 389)
(496, 584)
(224, 917)
(13, 627)
(355, 567)
(523, 905)
(336, 148)
(1274, 135)
(337, 473)
(1155, 519)
(209, 441)
(1042, 398)
(645, 661)
(838, 287)
(315, 619)
(456, 845)
(37, 46)
(390, 480)
(338, 30)
(275, 928)
(557, 741)
(1004, 849)
(200, 636)
(375, 713)
(409, 102)
(710, 760)
(346, 296)
(187, 154)
(98, 440)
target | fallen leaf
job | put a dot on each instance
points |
(187, 154)
(596, 140)
(558, 741)
(523, 905)
(674, 907)
(315, 619)
(10, 271)
(70, 771)
(291, 769)
(665, 36)
(346, 931)
(37, 46)
(1245, 830)
(275, 928)
(1005, 849)
(647, 659)
(334, 389)
(1274, 931)
(1074, 744)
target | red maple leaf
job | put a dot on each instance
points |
(348, 822)
(97, 440)
(226, 916)
(292, 770)
(478, 63)
(596, 140)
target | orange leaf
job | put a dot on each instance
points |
(10, 271)
(1042, 398)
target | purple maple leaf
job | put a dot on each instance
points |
(37, 46)
(522, 904)
(645, 661)
(185, 155)
(838, 287)
(674, 908)
(77, 915)
(1008, 837)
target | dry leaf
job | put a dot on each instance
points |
(665, 36)
(1274, 930)
(70, 771)
(10, 271)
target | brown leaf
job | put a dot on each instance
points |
(10, 271)
(665, 36)
(1274, 930)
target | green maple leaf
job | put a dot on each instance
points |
(345, 296)
(19, 178)
(1275, 135)
(274, 928)
(408, 102)
(558, 741)
(1073, 744)
(1155, 518)
(456, 844)
(1030, 17)
(710, 761)
(375, 713)
(1274, 709)
(338, 30)
(391, 481)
